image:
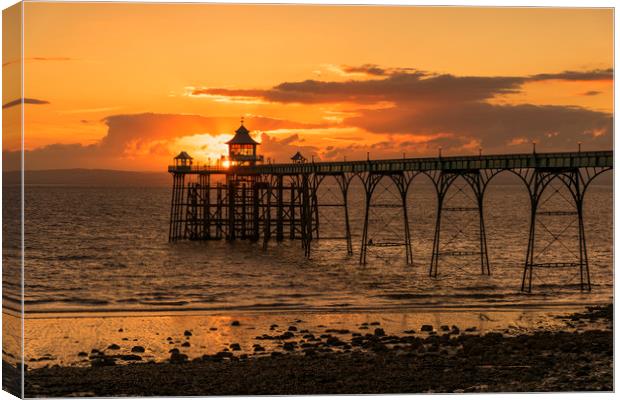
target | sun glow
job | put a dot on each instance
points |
(205, 148)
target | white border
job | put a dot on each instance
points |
(483, 3)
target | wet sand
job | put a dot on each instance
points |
(376, 353)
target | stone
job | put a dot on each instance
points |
(114, 347)
(286, 335)
(445, 328)
(82, 354)
(187, 333)
(379, 332)
(224, 354)
(292, 328)
(289, 346)
(137, 349)
(130, 357)
(102, 362)
(185, 344)
(178, 358)
(235, 347)
(427, 328)
(375, 323)
(235, 323)
(174, 351)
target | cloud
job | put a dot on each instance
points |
(420, 104)
(17, 102)
(591, 93)
(403, 87)
(593, 75)
(374, 70)
(37, 59)
(282, 149)
(494, 126)
(147, 135)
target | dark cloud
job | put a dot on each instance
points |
(369, 69)
(593, 75)
(591, 93)
(495, 126)
(457, 107)
(405, 87)
(17, 102)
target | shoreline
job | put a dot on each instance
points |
(573, 353)
(266, 310)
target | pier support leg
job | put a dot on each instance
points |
(343, 183)
(540, 181)
(232, 194)
(280, 208)
(477, 182)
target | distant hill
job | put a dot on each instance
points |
(88, 177)
(105, 177)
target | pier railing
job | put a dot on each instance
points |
(502, 161)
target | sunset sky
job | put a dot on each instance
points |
(127, 86)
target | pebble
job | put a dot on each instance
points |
(178, 358)
(235, 347)
(185, 344)
(137, 349)
(292, 328)
(102, 362)
(426, 328)
(379, 332)
(235, 323)
(114, 347)
(187, 333)
(130, 357)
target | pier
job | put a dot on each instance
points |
(247, 199)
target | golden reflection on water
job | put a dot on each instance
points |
(58, 340)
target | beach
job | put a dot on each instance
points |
(550, 351)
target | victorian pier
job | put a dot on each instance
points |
(247, 199)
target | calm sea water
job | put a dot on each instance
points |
(92, 249)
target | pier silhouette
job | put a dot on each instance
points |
(246, 199)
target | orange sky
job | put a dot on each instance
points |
(126, 86)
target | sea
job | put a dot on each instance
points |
(106, 249)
